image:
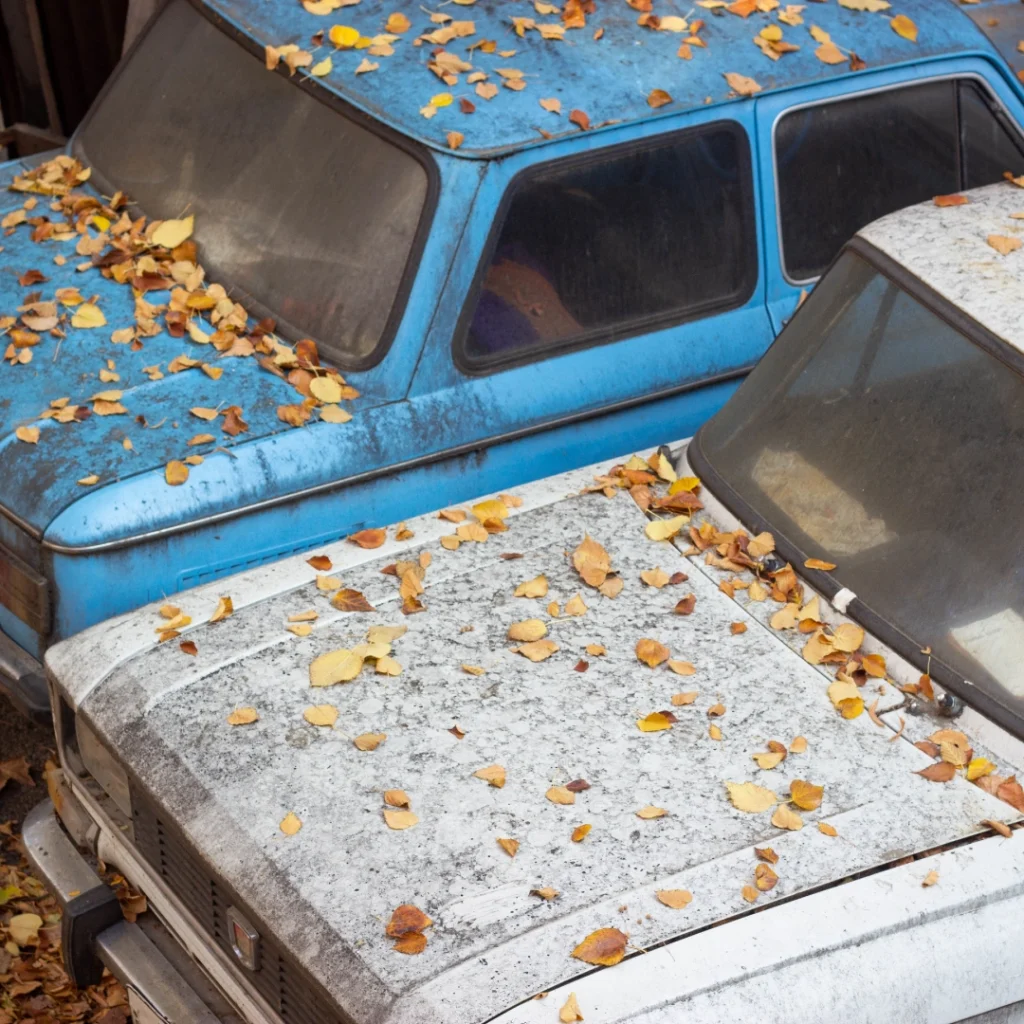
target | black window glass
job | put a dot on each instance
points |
(877, 436)
(842, 165)
(988, 148)
(299, 210)
(618, 244)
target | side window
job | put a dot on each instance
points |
(617, 243)
(841, 165)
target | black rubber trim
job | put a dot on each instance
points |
(476, 366)
(85, 916)
(332, 100)
(906, 646)
(399, 467)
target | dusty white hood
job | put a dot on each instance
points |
(328, 891)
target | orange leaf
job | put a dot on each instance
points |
(369, 538)
(658, 98)
(320, 562)
(951, 200)
(603, 948)
(348, 600)
(651, 653)
(407, 918)
(942, 771)
(903, 26)
(578, 117)
(817, 563)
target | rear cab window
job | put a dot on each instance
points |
(615, 244)
(843, 163)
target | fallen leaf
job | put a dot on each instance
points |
(175, 472)
(321, 714)
(951, 200)
(411, 944)
(224, 608)
(579, 118)
(765, 878)
(369, 538)
(400, 820)
(537, 587)
(686, 605)
(746, 796)
(340, 666)
(827, 829)
(741, 84)
(591, 561)
(290, 824)
(682, 699)
(681, 668)
(905, 27)
(806, 795)
(552, 106)
(665, 529)
(998, 826)
(768, 759)
(570, 1011)
(785, 817)
(596, 650)
(171, 233)
(798, 746)
(546, 893)
(749, 893)
(473, 670)
(493, 775)
(674, 898)
(510, 846)
(603, 948)
(561, 795)
(1004, 244)
(23, 929)
(580, 832)
(651, 653)
(817, 563)
(656, 578)
(243, 716)
(979, 767)
(348, 600)
(716, 711)
(536, 650)
(1011, 792)
(941, 771)
(527, 630)
(575, 606)
(370, 740)
(188, 647)
(767, 854)
(930, 879)
(736, 628)
(658, 98)
(649, 812)
(30, 435)
(88, 315)
(714, 732)
(654, 722)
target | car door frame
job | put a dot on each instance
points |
(782, 294)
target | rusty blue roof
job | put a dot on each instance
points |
(607, 68)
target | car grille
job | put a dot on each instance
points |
(284, 986)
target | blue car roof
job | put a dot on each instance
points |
(608, 78)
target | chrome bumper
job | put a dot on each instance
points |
(122, 947)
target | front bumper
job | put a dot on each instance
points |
(95, 935)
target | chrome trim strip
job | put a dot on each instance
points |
(841, 98)
(398, 467)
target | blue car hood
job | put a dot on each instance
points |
(42, 479)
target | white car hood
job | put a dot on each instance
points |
(328, 891)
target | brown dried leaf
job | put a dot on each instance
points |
(651, 653)
(510, 846)
(603, 948)
(494, 775)
(941, 771)
(369, 538)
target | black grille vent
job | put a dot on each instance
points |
(284, 986)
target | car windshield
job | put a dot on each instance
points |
(301, 212)
(876, 436)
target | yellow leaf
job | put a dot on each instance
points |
(441, 99)
(591, 561)
(1004, 244)
(654, 722)
(171, 233)
(30, 435)
(826, 829)
(224, 608)
(680, 700)
(88, 315)
(656, 577)
(494, 775)
(570, 1011)
(552, 106)
(651, 653)
(746, 796)
(334, 414)
(649, 812)
(785, 817)
(978, 767)
(674, 898)
(905, 27)
(684, 483)
(88, 481)
(370, 740)
(291, 824)
(665, 529)
(714, 732)
(603, 948)
(575, 606)
(325, 389)
(537, 650)
(203, 413)
(527, 630)
(322, 67)
(681, 668)
(490, 509)
(344, 37)
(805, 795)
(842, 690)
(819, 35)
(749, 893)
(397, 23)
(596, 650)
(366, 65)
(798, 746)
(561, 795)
(340, 666)
(243, 716)
(388, 666)
(658, 98)
(24, 929)
(580, 832)
(827, 53)
(510, 846)
(175, 472)
(537, 587)
(455, 139)
(767, 760)
(741, 84)
(851, 707)
(300, 628)
(400, 820)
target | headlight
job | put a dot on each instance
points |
(24, 591)
(102, 766)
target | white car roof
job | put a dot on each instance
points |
(950, 249)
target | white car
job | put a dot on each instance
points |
(754, 737)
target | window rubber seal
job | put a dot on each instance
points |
(985, 702)
(475, 366)
(336, 103)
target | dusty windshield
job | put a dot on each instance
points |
(300, 212)
(876, 436)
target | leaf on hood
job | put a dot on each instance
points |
(575, 606)
(411, 944)
(385, 634)
(1011, 792)
(369, 538)
(188, 647)
(348, 600)
(494, 775)
(767, 854)
(998, 826)
(656, 721)
(536, 650)
(746, 796)
(979, 767)
(369, 740)
(603, 948)
(649, 812)
(510, 846)
(766, 760)
(546, 893)
(655, 577)
(88, 315)
(580, 832)
(798, 746)
(591, 561)
(674, 898)
(243, 716)
(741, 84)
(527, 630)
(490, 509)
(405, 920)
(473, 670)
(749, 893)
(396, 798)
(765, 878)
(321, 714)
(175, 472)
(941, 771)
(905, 27)
(805, 795)
(233, 423)
(290, 824)
(560, 795)
(340, 666)
(665, 529)
(319, 562)
(171, 233)
(537, 587)
(826, 829)
(400, 820)
(681, 668)
(682, 699)
(685, 605)
(651, 652)
(785, 817)
(223, 610)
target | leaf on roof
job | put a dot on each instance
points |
(741, 84)
(602, 948)
(746, 796)
(905, 27)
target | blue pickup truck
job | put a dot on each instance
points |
(308, 267)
